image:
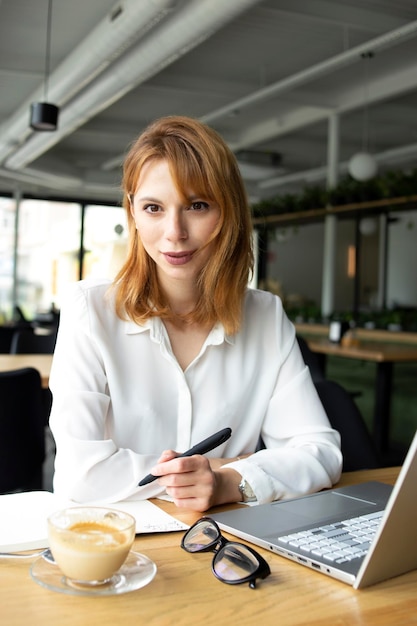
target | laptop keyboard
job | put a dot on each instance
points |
(340, 542)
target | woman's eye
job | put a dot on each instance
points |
(199, 206)
(152, 208)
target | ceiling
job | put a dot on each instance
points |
(270, 75)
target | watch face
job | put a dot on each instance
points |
(246, 491)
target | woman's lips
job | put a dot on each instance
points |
(178, 258)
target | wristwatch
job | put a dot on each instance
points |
(246, 491)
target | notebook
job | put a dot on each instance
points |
(23, 517)
(360, 534)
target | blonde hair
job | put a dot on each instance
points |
(198, 158)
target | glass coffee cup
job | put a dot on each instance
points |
(89, 544)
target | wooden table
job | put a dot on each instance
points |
(384, 355)
(363, 334)
(41, 362)
(185, 592)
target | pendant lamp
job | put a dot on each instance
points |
(362, 166)
(44, 115)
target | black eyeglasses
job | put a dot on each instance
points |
(233, 562)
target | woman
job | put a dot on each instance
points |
(178, 347)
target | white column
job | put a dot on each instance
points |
(330, 223)
(382, 261)
(17, 199)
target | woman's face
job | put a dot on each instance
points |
(173, 231)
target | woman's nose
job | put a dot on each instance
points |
(176, 226)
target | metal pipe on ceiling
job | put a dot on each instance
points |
(319, 70)
(183, 30)
(395, 155)
(112, 36)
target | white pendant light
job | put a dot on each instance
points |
(363, 166)
(368, 226)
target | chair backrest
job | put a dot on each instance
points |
(29, 342)
(6, 336)
(311, 359)
(358, 449)
(22, 430)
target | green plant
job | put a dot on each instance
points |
(389, 184)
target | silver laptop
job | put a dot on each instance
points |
(360, 534)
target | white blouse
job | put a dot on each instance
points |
(120, 398)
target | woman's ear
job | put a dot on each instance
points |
(130, 198)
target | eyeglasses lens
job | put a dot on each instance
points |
(234, 562)
(201, 536)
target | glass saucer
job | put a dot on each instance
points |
(136, 572)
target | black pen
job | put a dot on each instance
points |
(200, 448)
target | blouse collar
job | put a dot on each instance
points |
(155, 327)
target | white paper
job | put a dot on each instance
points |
(23, 518)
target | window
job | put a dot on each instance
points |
(105, 240)
(47, 252)
(7, 230)
(48, 247)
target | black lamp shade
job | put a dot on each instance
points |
(43, 116)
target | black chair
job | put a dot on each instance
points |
(6, 336)
(358, 449)
(311, 359)
(314, 364)
(22, 430)
(28, 342)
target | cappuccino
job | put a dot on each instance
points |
(90, 544)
